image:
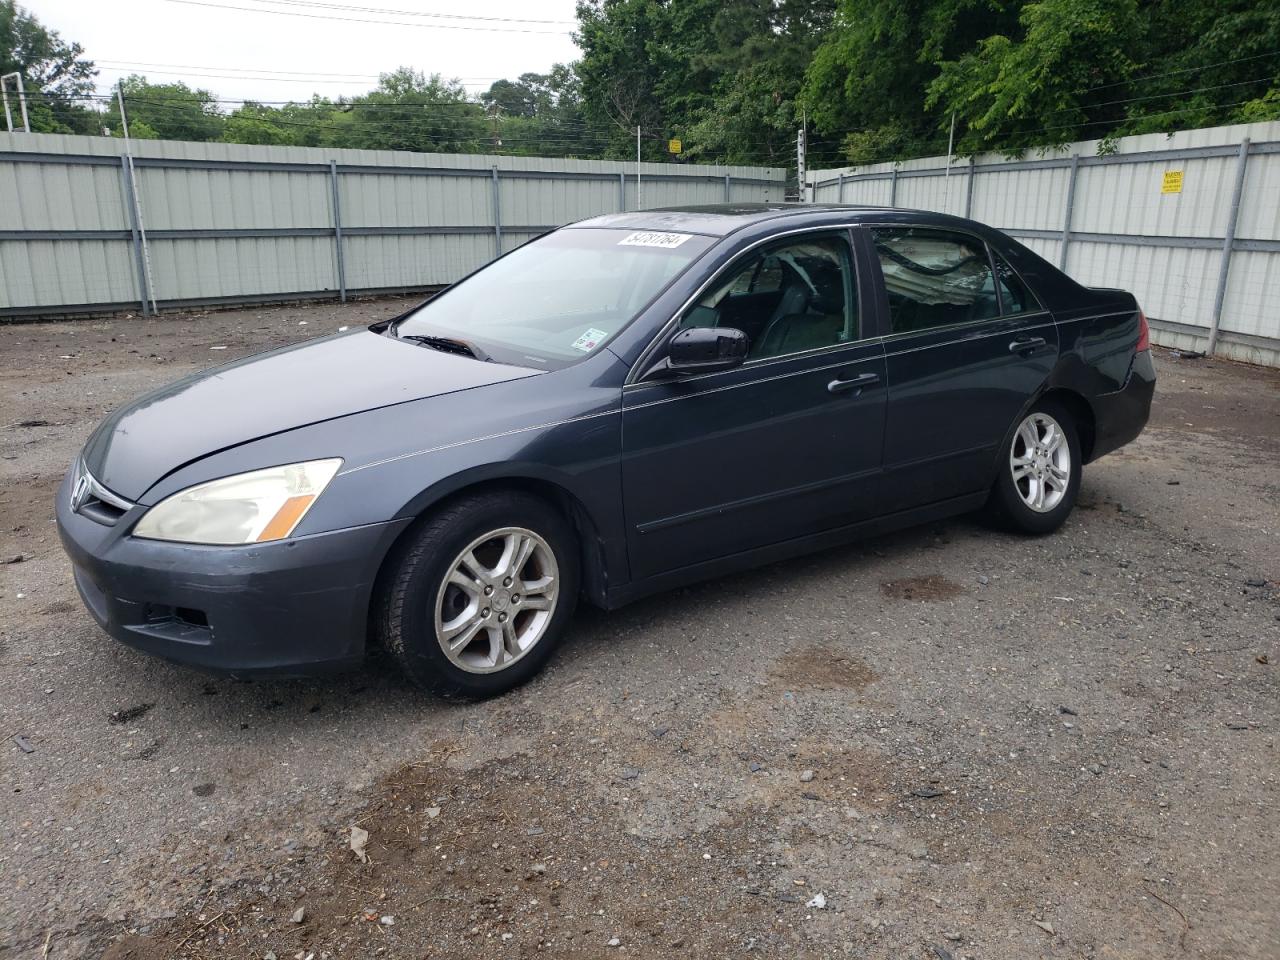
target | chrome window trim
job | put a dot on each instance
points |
(752, 382)
(894, 337)
(642, 364)
(968, 325)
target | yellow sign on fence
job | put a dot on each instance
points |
(1172, 182)
(674, 145)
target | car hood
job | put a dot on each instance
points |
(271, 393)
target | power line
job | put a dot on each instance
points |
(586, 139)
(199, 66)
(173, 105)
(242, 76)
(355, 8)
(1174, 73)
(1162, 96)
(292, 73)
(385, 23)
(891, 158)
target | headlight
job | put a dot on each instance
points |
(247, 508)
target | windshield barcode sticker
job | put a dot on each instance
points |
(589, 340)
(649, 238)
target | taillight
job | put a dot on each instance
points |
(1144, 333)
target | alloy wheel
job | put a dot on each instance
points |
(497, 600)
(1040, 460)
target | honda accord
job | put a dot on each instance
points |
(621, 406)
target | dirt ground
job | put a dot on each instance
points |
(945, 743)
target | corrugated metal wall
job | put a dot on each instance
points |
(226, 223)
(1123, 230)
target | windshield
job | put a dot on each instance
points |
(559, 298)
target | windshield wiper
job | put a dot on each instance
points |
(446, 345)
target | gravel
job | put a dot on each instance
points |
(928, 676)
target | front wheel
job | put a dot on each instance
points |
(480, 594)
(1040, 470)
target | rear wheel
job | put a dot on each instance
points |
(1040, 470)
(480, 594)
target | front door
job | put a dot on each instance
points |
(968, 346)
(785, 445)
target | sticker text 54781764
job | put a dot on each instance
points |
(653, 238)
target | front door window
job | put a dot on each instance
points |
(787, 298)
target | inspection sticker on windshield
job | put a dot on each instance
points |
(650, 238)
(589, 340)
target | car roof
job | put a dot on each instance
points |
(722, 219)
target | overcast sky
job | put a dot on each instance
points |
(233, 49)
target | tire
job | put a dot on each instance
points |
(451, 583)
(1052, 478)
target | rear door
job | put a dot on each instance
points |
(785, 445)
(968, 345)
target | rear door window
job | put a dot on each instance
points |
(1015, 295)
(934, 278)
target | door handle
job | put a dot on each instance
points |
(854, 384)
(1027, 344)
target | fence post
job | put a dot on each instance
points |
(840, 194)
(1227, 243)
(1066, 218)
(968, 188)
(726, 188)
(893, 187)
(337, 232)
(622, 192)
(132, 203)
(497, 214)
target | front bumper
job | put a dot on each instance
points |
(1119, 417)
(290, 608)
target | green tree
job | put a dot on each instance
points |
(722, 75)
(527, 96)
(761, 51)
(890, 74)
(868, 79)
(1203, 65)
(1019, 93)
(541, 114)
(167, 111)
(620, 69)
(56, 76)
(409, 111)
(307, 124)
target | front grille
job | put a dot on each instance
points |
(91, 499)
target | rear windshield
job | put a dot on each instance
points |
(559, 298)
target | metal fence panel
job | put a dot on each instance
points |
(1156, 214)
(1260, 216)
(1252, 291)
(34, 272)
(378, 263)
(228, 223)
(197, 269)
(1024, 199)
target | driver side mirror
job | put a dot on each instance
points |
(706, 349)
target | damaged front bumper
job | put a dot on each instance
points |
(292, 607)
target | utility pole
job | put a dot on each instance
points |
(639, 202)
(495, 111)
(22, 101)
(800, 159)
(946, 177)
(137, 202)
